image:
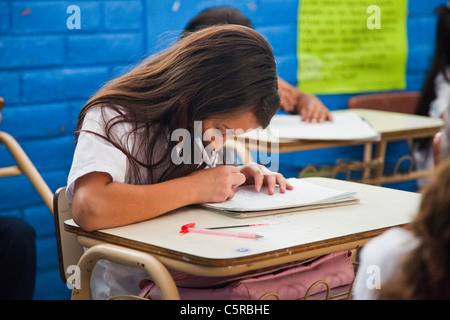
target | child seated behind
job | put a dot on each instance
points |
(412, 263)
(435, 95)
(292, 100)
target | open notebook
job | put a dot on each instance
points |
(345, 126)
(305, 196)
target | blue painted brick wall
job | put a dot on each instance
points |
(47, 72)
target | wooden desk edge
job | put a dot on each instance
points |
(226, 267)
(303, 145)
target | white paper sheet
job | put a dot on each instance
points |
(304, 193)
(345, 126)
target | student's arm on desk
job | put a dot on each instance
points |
(100, 203)
(308, 106)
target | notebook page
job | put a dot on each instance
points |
(285, 128)
(304, 193)
(345, 126)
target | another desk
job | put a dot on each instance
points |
(392, 126)
(289, 237)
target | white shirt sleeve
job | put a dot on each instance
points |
(445, 142)
(379, 259)
(442, 88)
(95, 154)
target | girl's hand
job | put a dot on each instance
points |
(260, 175)
(216, 184)
(312, 109)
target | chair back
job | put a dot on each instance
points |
(24, 166)
(402, 102)
(69, 251)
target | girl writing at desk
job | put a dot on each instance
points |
(123, 169)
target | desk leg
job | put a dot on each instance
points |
(380, 155)
(367, 159)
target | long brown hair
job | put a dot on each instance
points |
(222, 71)
(425, 272)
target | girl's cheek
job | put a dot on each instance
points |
(214, 137)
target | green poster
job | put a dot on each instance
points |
(349, 46)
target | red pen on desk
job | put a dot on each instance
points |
(190, 227)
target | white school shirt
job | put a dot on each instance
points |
(442, 90)
(445, 142)
(379, 259)
(95, 154)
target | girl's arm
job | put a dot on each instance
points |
(100, 203)
(296, 102)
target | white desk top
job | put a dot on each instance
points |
(378, 209)
(390, 122)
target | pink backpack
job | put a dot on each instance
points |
(287, 282)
